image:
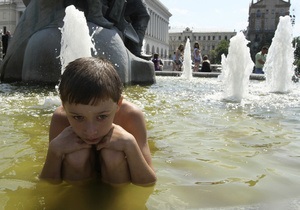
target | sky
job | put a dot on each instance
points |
(220, 15)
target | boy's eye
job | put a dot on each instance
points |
(102, 117)
(79, 118)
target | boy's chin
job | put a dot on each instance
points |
(92, 141)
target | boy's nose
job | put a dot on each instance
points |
(91, 130)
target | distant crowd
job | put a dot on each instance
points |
(200, 63)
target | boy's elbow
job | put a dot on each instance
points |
(147, 183)
(153, 182)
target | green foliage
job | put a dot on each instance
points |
(222, 48)
(296, 44)
(212, 56)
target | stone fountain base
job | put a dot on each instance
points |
(205, 74)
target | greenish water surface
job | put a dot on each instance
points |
(207, 153)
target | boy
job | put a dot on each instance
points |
(95, 133)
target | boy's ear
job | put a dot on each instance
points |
(120, 102)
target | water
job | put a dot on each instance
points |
(236, 69)
(187, 72)
(207, 153)
(75, 41)
(279, 64)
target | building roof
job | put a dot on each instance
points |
(197, 30)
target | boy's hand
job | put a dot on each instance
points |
(116, 139)
(67, 142)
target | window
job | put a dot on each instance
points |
(258, 13)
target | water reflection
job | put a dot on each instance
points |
(64, 196)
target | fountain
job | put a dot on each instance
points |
(236, 69)
(74, 44)
(208, 153)
(187, 63)
(279, 64)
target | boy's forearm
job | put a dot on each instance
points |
(140, 171)
(52, 167)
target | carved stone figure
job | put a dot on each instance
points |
(131, 17)
(33, 53)
(137, 14)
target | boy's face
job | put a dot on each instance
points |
(92, 122)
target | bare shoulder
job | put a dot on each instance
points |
(59, 116)
(130, 108)
(58, 123)
(128, 111)
(130, 117)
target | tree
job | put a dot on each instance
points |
(296, 45)
(212, 56)
(222, 48)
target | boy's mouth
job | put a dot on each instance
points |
(92, 141)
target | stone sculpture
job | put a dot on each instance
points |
(33, 53)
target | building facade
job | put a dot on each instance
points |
(208, 41)
(263, 20)
(10, 13)
(157, 33)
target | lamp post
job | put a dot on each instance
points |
(293, 17)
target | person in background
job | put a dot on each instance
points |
(173, 61)
(5, 41)
(96, 134)
(205, 64)
(260, 59)
(158, 64)
(179, 57)
(196, 56)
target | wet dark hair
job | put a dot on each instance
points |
(90, 80)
